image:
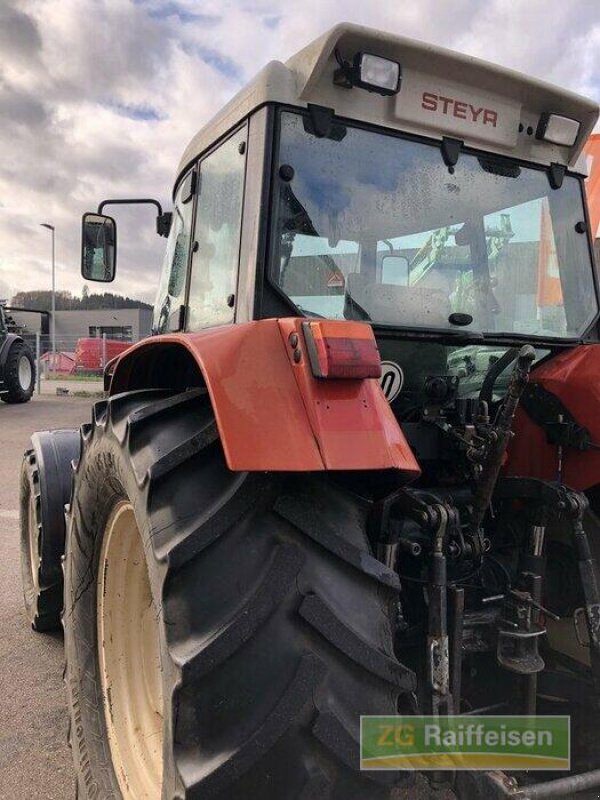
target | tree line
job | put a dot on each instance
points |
(41, 300)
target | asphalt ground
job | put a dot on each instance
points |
(35, 761)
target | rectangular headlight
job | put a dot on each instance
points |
(557, 130)
(377, 74)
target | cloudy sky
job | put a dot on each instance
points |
(98, 98)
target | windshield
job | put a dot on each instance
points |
(376, 227)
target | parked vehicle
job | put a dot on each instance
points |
(92, 354)
(17, 366)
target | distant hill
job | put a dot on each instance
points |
(42, 300)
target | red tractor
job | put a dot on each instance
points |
(356, 470)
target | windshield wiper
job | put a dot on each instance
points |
(308, 313)
(458, 336)
(537, 337)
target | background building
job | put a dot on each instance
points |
(125, 324)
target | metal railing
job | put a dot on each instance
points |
(74, 360)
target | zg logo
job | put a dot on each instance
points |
(396, 736)
(392, 379)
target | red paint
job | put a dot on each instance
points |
(574, 377)
(272, 413)
(459, 109)
(351, 419)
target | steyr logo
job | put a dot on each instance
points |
(460, 109)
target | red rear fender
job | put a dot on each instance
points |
(272, 413)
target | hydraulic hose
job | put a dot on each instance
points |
(502, 432)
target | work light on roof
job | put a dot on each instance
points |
(557, 129)
(370, 72)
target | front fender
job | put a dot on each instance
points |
(271, 412)
(5, 344)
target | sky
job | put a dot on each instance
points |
(98, 98)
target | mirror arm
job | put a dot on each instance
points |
(163, 220)
(130, 201)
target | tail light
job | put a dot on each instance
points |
(342, 349)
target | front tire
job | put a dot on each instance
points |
(45, 490)
(19, 374)
(272, 621)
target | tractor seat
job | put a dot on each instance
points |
(414, 306)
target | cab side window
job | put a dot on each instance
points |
(171, 292)
(217, 235)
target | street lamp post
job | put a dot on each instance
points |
(53, 329)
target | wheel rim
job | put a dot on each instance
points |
(24, 373)
(34, 545)
(129, 659)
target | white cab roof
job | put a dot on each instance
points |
(442, 93)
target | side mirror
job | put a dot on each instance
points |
(394, 270)
(98, 248)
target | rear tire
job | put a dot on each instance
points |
(274, 621)
(19, 374)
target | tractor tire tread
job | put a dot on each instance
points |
(277, 618)
(14, 392)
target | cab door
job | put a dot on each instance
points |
(217, 230)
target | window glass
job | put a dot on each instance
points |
(124, 332)
(217, 233)
(373, 226)
(171, 291)
(314, 271)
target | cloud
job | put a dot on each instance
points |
(21, 108)
(99, 98)
(19, 34)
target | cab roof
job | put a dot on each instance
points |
(442, 93)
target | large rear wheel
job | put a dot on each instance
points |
(223, 631)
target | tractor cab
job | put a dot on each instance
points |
(373, 178)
